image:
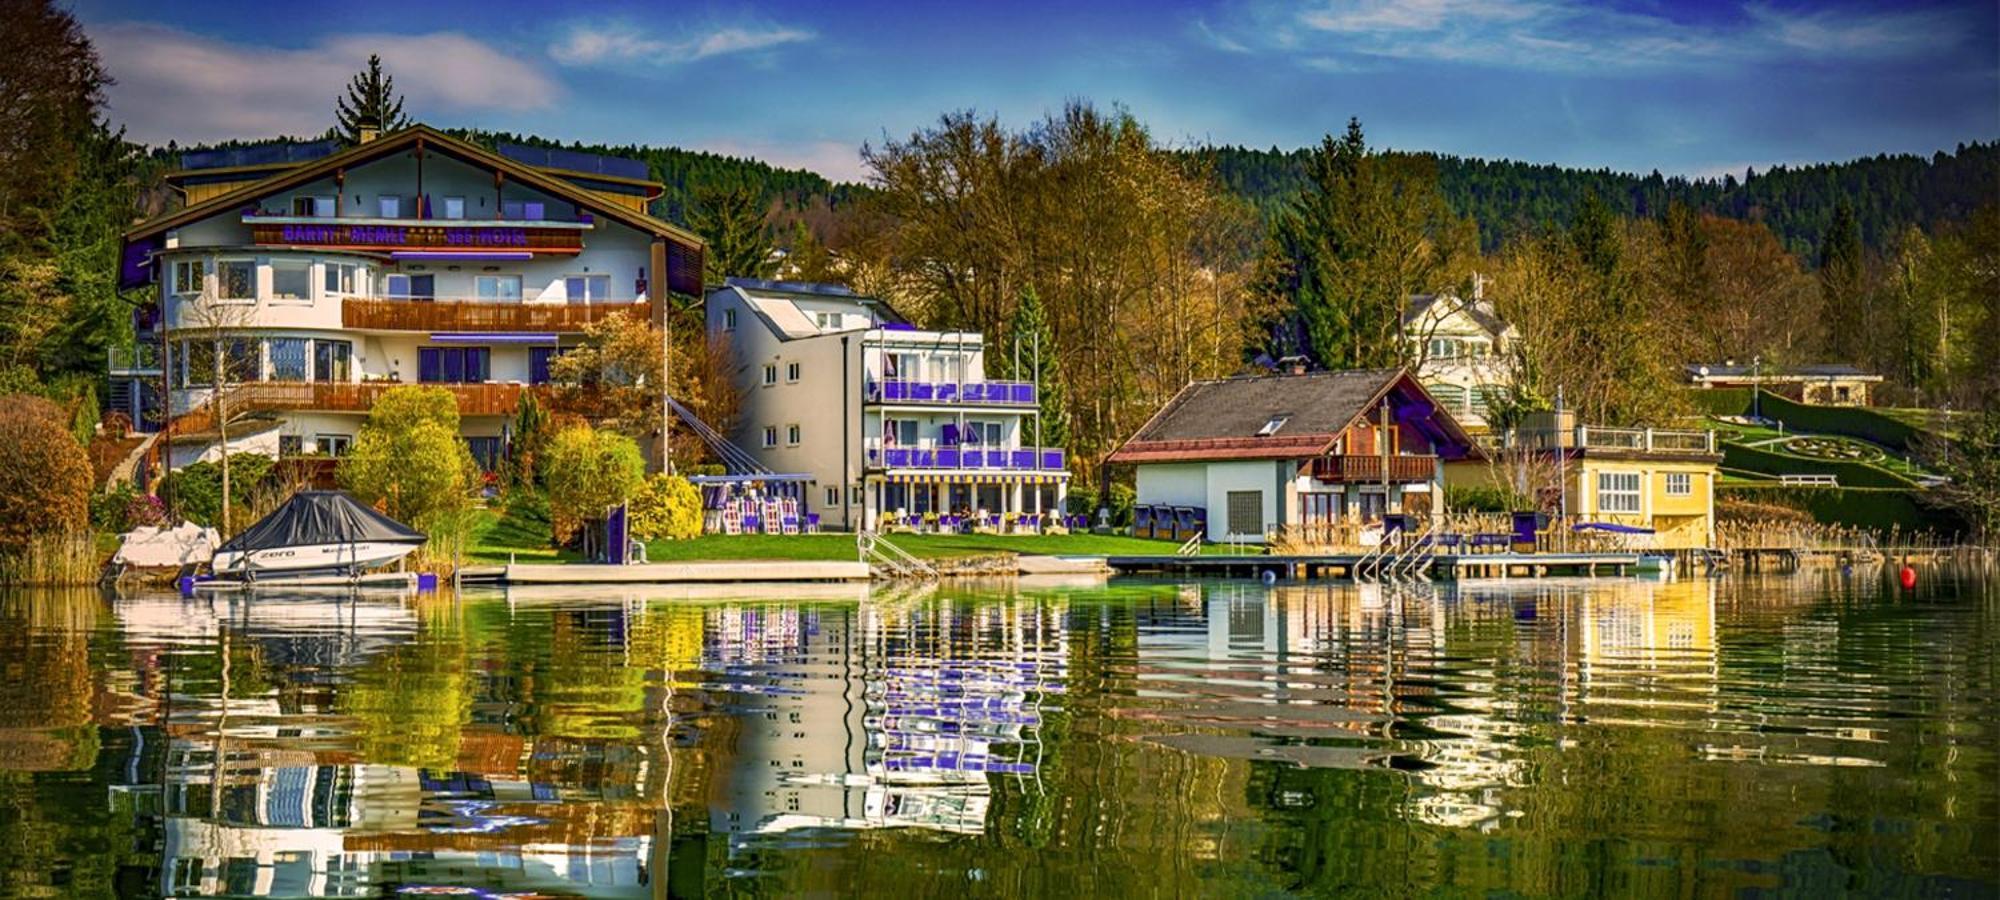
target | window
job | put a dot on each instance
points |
(1246, 512)
(770, 435)
(1680, 484)
(1444, 348)
(321, 207)
(1319, 507)
(856, 494)
(587, 288)
(903, 365)
(791, 371)
(454, 207)
(453, 365)
(791, 435)
(291, 280)
(729, 320)
(290, 445)
(770, 375)
(1271, 427)
(190, 276)
(1618, 492)
(332, 361)
(236, 279)
(288, 358)
(523, 210)
(986, 433)
(827, 321)
(389, 206)
(832, 496)
(409, 287)
(338, 278)
(538, 363)
(497, 287)
(333, 444)
(486, 452)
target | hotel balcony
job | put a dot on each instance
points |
(1024, 459)
(482, 315)
(971, 393)
(271, 396)
(1367, 469)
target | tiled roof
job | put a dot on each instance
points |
(1222, 419)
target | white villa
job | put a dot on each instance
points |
(325, 276)
(885, 419)
(1462, 348)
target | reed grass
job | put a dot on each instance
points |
(53, 559)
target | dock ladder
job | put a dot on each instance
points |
(1413, 561)
(1191, 547)
(888, 560)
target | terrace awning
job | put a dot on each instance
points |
(976, 477)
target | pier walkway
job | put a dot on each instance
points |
(1362, 566)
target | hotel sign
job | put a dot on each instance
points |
(420, 237)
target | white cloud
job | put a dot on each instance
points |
(186, 87)
(1577, 35)
(837, 160)
(588, 44)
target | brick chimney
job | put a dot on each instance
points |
(1292, 365)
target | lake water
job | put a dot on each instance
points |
(1803, 736)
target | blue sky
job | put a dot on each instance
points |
(1687, 88)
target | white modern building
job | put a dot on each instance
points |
(886, 419)
(325, 276)
(1463, 352)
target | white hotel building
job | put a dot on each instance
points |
(884, 418)
(326, 276)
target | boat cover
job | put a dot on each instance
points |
(186, 544)
(321, 517)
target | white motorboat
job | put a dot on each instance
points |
(316, 533)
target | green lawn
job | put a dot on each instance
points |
(521, 532)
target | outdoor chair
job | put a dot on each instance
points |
(812, 523)
(791, 525)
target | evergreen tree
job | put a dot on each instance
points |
(371, 103)
(1843, 291)
(732, 221)
(1031, 333)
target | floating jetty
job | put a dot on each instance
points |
(1369, 567)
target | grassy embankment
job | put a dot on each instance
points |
(521, 532)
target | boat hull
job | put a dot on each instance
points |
(295, 560)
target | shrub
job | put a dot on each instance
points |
(123, 507)
(196, 488)
(1118, 497)
(1481, 498)
(1874, 508)
(667, 507)
(45, 475)
(588, 471)
(1851, 421)
(1722, 401)
(410, 458)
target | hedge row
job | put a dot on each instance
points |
(1722, 401)
(1850, 421)
(1877, 508)
(1851, 474)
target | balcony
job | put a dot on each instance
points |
(270, 396)
(971, 393)
(139, 359)
(420, 237)
(1613, 440)
(1024, 459)
(481, 315)
(1367, 469)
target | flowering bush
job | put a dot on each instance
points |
(667, 508)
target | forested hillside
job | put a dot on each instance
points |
(1888, 193)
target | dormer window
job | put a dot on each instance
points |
(1271, 427)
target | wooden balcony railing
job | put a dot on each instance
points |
(481, 315)
(1364, 469)
(473, 400)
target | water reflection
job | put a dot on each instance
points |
(1802, 735)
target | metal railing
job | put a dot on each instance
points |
(1009, 393)
(1592, 437)
(888, 559)
(143, 358)
(968, 456)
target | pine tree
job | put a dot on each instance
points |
(732, 221)
(1842, 290)
(371, 103)
(1036, 346)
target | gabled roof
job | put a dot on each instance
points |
(773, 303)
(430, 139)
(1479, 311)
(1230, 419)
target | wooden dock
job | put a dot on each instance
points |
(742, 571)
(1359, 566)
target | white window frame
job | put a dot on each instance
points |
(1680, 484)
(222, 282)
(832, 495)
(183, 266)
(346, 277)
(1620, 492)
(273, 265)
(479, 294)
(793, 434)
(382, 203)
(729, 320)
(587, 296)
(792, 372)
(449, 212)
(770, 436)
(320, 442)
(770, 374)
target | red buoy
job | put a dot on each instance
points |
(1908, 577)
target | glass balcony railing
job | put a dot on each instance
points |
(1021, 459)
(991, 393)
